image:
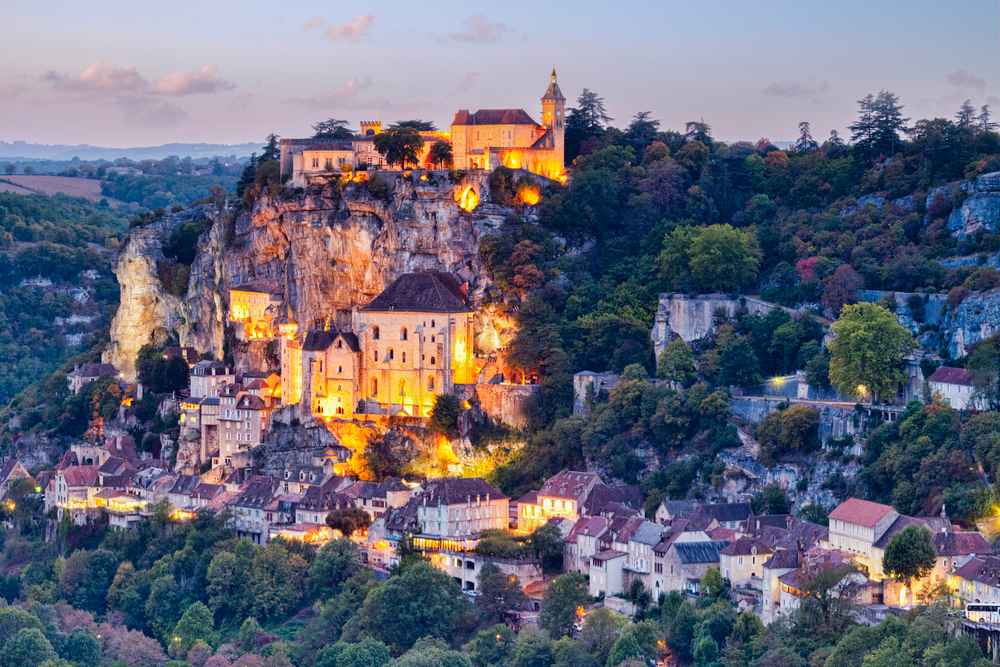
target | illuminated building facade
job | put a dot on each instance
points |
(489, 138)
(411, 343)
(252, 308)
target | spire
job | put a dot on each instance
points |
(553, 92)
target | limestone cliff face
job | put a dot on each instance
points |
(979, 208)
(147, 311)
(325, 250)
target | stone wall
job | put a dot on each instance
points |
(587, 385)
(507, 403)
(836, 420)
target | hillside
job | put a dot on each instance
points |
(23, 149)
(85, 188)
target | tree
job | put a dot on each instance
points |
(841, 288)
(87, 576)
(195, 624)
(399, 146)
(585, 123)
(270, 151)
(15, 619)
(805, 143)
(276, 577)
(547, 543)
(415, 124)
(965, 118)
(792, 430)
(444, 415)
(770, 500)
(867, 351)
(642, 132)
(498, 594)
(440, 155)
(366, 653)
(492, 646)
(563, 597)
(533, 649)
(676, 363)
(984, 120)
(698, 130)
(335, 563)
(984, 364)
(420, 602)
(332, 128)
(713, 586)
(880, 121)
(28, 648)
(600, 631)
(81, 648)
(348, 520)
(910, 554)
(716, 258)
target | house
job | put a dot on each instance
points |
(977, 581)
(254, 309)
(794, 584)
(75, 489)
(781, 562)
(711, 515)
(11, 472)
(318, 501)
(856, 525)
(465, 567)
(208, 378)
(84, 374)
(562, 495)
(251, 509)
(742, 561)
(607, 573)
(685, 563)
(955, 387)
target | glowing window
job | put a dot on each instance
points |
(430, 383)
(376, 355)
(374, 386)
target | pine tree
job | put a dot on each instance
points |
(270, 150)
(966, 116)
(887, 122)
(984, 119)
(863, 129)
(805, 143)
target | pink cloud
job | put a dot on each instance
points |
(99, 78)
(352, 31)
(479, 29)
(204, 80)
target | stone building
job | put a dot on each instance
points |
(411, 343)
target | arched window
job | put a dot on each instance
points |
(340, 344)
(433, 324)
(433, 361)
(376, 333)
(404, 334)
(374, 386)
(392, 354)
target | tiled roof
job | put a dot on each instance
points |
(961, 543)
(648, 533)
(250, 402)
(207, 368)
(422, 292)
(257, 492)
(604, 498)
(931, 523)
(185, 484)
(699, 552)
(860, 512)
(726, 512)
(951, 375)
(493, 117)
(746, 546)
(112, 466)
(569, 484)
(609, 554)
(984, 569)
(80, 475)
(350, 340)
(591, 526)
(783, 559)
(94, 370)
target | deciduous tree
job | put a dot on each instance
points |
(867, 352)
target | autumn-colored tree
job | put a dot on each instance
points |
(841, 288)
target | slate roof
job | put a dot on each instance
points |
(493, 117)
(648, 533)
(422, 292)
(208, 368)
(931, 523)
(727, 512)
(690, 553)
(950, 375)
(185, 484)
(860, 512)
(603, 498)
(783, 559)
(7, 468)
(350, 340)
(609, 554)
(250, 402)
(317, 341)
(257, 492)
(456, 490)
(984, 569)
(680, 507)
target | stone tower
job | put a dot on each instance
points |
(554, 116)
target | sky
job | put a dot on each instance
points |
(116, 73)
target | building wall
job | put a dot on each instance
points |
(468, 138)
(250, 309)
(463, 519)
(740, 570)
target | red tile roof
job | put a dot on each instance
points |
(746, 546)
(493, 117)
(80, 475)
(950, 375)
(860, 512)
(961, 543)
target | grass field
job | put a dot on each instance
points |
(51, 185)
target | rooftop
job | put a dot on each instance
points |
(860, 512)
(422, 292)
(493, 117)
(699, 552)
(951, 375)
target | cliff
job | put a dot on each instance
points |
(325, 250)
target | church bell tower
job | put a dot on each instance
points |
(554, 116)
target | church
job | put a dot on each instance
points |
(411, 343)
(480, 140)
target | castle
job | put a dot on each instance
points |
(484, 140)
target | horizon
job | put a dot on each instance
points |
(107, 77)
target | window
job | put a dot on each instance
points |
(404, 357)
(404, 334)
(402, 388)
(374, 386)
(430, 383)
(658, 568)
(391, 355)
(328, 164)
(340, 344)
(315, 163)
(340, 369)
(375, 333)
(433, 360)
(432, 326)
(376, 355)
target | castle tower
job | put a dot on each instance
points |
(369, 128)
(554, 116)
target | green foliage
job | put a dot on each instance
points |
(793, 430)
(867, 350)
(348, 520)
(160, 374)
(770, 500)
(399, 145)
(444, 415)
(492, 646)
(195, 624)
(562, 597)
(676, 363)
(716, 258)
(498, 594)
(335, 563)
(420, 602)
(984, 364)
(28, 648)
(910, 554)
(601, 629)
(547, 543)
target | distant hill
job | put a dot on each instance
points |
(26, 150)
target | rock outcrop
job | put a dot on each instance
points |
(976, 318)
(979, 208)
(325, 250)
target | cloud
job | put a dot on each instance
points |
(351, 31)
(314, 22)
(346, 96)
(467, 82)
(143, 110)
(479, 29)
(202, 81)
(99, 78)
(797, 89)
(962, 78)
